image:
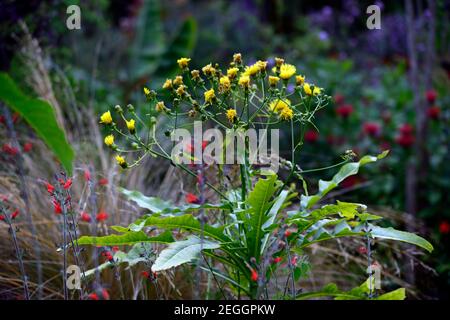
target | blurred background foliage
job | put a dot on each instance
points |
(124, 45)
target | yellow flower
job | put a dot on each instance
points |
(299, 80)
(273, 81)
(262, 65)
(307, 88)
(195, 74)
(181, 90)
(286, 113)
(225, 83)
(279, 62)
(244, 81)
(209, 95)
(279, 105)
(109, 140)
(178, 81)
(232, 72)
(106, 118)
(160, 107)
(237, 58)
(251, 70)
(231, 115)
(316, 91)
(208, 69)
(121, 161)
(167, 84)
(286, 71)
(183, 62)
(131, 126)
(146, 91)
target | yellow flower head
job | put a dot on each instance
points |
(232, 72)
(160, 107)
(307, 88)
(244, 81)
(231, 115)
(299, 80)
(109, 140)
(208, 70)
(146, 91)
(106, 118)
(279, 62)
(286, 113)
(273, 81)
(237, 58)
(183, 62)
(195, 74)
(251, 70)
(131, 125)
(225, 83)
(167, 84)
(286, 71)
(178, 81)
(121, 161)
(181, 90)
(209, 95)
(279, 105)
(262, 65)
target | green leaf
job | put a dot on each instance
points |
(259, 202)
(40, 116)
(157, 205)
(186, 222)
(393, 234)
(180, 252)
(344, 172)
(126, 238)
(399, 294)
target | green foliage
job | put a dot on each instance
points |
(40, 116)
(127, 238)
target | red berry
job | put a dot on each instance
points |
(101, 216)
(345, 110)
(277, 260)
(287, 233)
(27, 147)
(405, 140)
(371, 128)
(2, 217)
(15, 214)
(311, 136)
(406, 128)
(444, 227)
(434, 112)
(103, 182)
(86, 217)
(192, 198)
(254, 275)
(431, 95)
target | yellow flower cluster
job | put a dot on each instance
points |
(231, 115)
(315, 91)
(283, 108)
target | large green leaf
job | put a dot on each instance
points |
(180, 252)
(157, 205)
(259, 200)
(393, 234)
(40, 116)
(344, 172)
(128, 238)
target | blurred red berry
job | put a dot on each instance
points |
(8, 149)
(344, 110)
(57, 207)
(192, 198)
(277, 260)
(115, 248)
(406, 129)
(339, 98)
(405, 140)
(105, 294)
(434, 112)
(86, 217)
(15, 214)
(145, 274)
(87, 175)
(371, 128)
(27, 147)
(362, 250)
(93, 296)
(50, 188)
(311, 136)
(254, 275)
(431, 95)
(444, 227)
(103, 182)
(101, 216)
(2, 217)
(67, 184)
(287, 233)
